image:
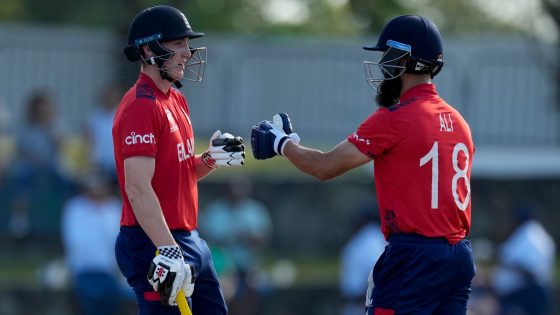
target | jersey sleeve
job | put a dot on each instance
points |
(376, 134)
(140, 129)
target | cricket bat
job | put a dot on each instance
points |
(183, 304)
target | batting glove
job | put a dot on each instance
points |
(282, 123)
(168, 273)
(269, 138)
(224, 150)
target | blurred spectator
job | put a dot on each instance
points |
(524, 276)
(7, 144)
(90, 224)
(40, 138)
(241, 226)
(98, 130)
(358, 258)
(483, 300)
(38, 184)
(7, 154)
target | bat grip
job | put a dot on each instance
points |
(183, 304)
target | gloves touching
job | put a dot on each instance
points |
(224, 150)
(269, 138)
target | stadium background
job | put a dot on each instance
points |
(501, 74)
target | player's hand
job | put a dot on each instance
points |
(224, 150)
(168, 273)
(269, 138)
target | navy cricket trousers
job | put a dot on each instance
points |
(416, 275)
(134, 253)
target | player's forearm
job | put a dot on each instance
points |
(148, 212)
(202, 170)
(311, 161)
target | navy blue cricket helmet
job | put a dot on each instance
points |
(160, 23)
(414, 37)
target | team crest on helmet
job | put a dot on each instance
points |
(185, 20)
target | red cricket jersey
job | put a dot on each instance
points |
(423, 153)
(149, 122)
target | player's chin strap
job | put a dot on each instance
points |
(162, 54)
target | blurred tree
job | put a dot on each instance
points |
(312, 17)
(317, 17)
(10, 9)
(552, 7)
(375, 13)
(450, 16)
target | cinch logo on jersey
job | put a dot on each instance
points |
(142, 139)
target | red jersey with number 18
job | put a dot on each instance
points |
(151, 123)
(422, 150)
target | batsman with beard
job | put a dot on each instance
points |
(423, 150)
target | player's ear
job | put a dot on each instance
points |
(146, 51)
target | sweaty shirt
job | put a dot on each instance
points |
(151, 123)
(423, 153)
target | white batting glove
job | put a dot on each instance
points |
(282, 130)
(224, 150)
(188, 283)
(168, 273)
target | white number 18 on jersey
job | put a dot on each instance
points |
(459, 173)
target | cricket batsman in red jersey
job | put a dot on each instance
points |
(422, 150)
(158, 170)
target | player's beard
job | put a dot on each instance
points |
(388, 92)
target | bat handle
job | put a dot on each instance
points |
(183, 304)
(181, 300)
